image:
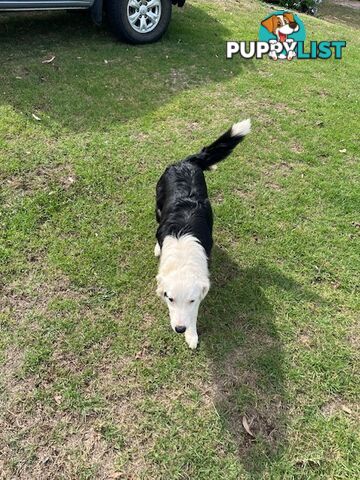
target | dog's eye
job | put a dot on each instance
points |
(166, 296)
(192, 301)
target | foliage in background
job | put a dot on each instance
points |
(306, 6)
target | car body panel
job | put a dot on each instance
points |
(43, 4)
(11, 5)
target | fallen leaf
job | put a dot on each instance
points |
(246, 426)
(346, 409)
(38, 119)
(343, 150)
(49, 60)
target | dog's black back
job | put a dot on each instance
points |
(182, 203)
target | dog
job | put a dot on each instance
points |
(184, 234)
(281, 26)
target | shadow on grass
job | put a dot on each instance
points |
(95, 81)
(247, 357)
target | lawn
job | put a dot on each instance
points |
(94, 385)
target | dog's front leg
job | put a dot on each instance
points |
(191, 336)
(157, 250)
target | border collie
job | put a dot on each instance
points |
(184, 235)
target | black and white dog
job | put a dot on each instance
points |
(184, 235)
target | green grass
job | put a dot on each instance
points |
(93, 383)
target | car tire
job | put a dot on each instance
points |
(139, 21)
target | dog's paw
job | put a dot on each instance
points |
(157, 250)
(192, 341)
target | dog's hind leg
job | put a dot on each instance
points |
(157, 250)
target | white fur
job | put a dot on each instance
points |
(241, 129)
(157, 250)
(184, 276)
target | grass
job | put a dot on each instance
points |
(93, 383)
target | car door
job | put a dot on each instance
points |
(12, 5)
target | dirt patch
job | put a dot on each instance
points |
(43, 178)
(244, 194)
(193, 126)
(178, 79)
(33, 293)
(337, 406)
(218, 198)
(296, 148)
(43, 449)
(305, 339)
(273, 186)
(354, 337)
(276, 170)
(140, 137)
(43, 438)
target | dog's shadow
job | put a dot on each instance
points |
(242, 340)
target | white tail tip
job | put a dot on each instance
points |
(241, 129)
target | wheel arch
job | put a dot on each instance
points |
(97, 11)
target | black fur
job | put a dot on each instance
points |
(182, 203)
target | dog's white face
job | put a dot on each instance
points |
(183, 297)
(183, 282)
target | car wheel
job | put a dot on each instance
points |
(139, 21)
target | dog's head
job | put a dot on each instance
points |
(183, 297)
(281, 25)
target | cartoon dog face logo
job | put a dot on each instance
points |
(281, 25)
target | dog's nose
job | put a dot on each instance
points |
(293, 24)
(180, 329)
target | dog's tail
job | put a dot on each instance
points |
(222, 147)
